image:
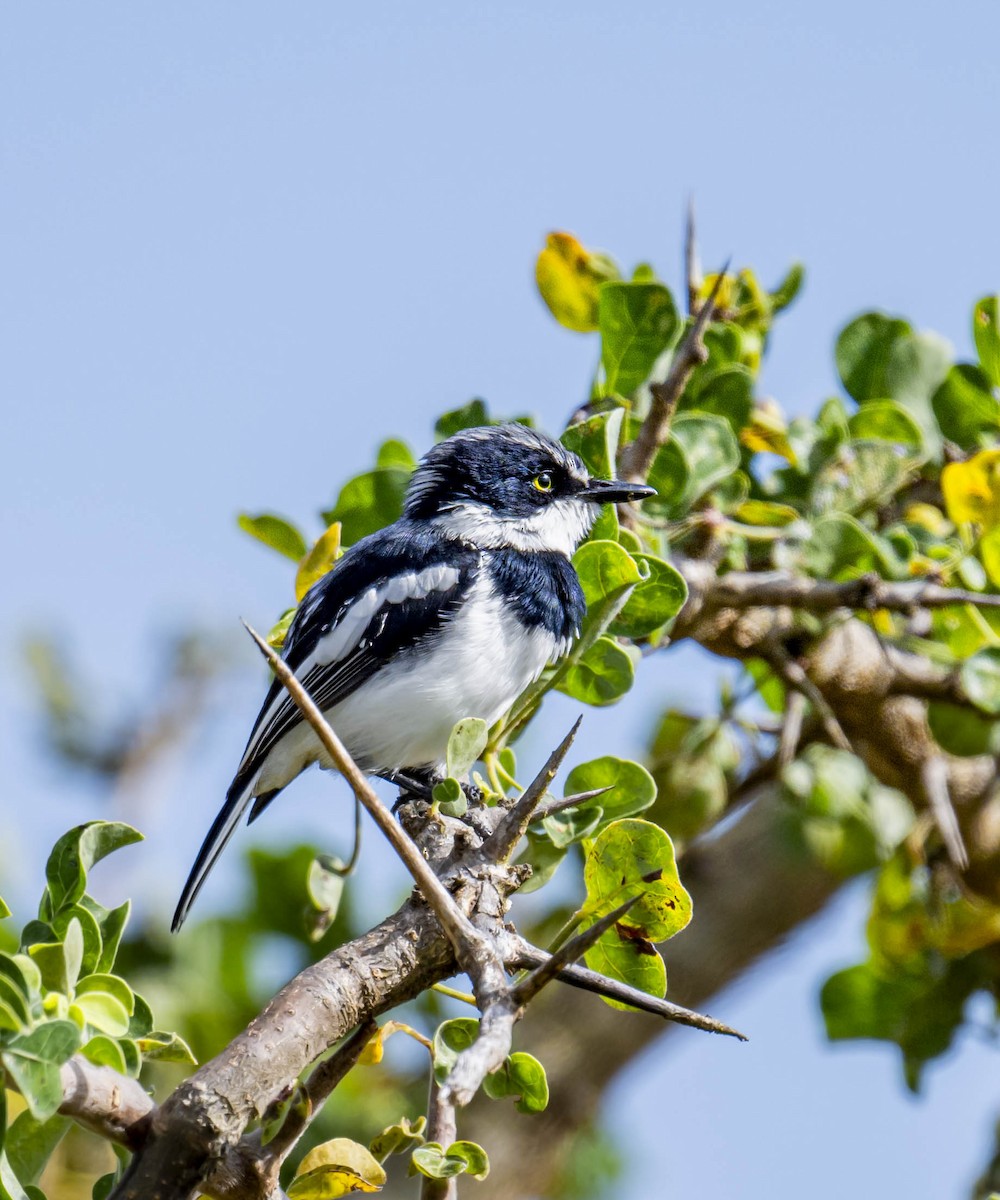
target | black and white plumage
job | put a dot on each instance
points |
(448, 613)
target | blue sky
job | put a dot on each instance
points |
(240, 242)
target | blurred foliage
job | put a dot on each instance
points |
(897, 476)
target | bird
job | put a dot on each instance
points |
(450, 612)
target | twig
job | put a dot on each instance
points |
(934, 780)
(442, 1127)
(456, 925)
(692, 265)
(637, 457)
(769, 589)
(569, 952)
(512, 826)
(793, 675)
(791, 729)
(524, 955)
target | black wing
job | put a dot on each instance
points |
(387, 593)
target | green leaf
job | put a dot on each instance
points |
(450, 1039)
(77, 851)
(102, 1011)
(844, 817)
(30, 1144)
(325, 889)
(50, 958)
(636, 963)
(105, 1052)
(961, 732)
(638, 322)
(142, 1018)
(965, 406)
(980, 676)
(863, 351)
(986, 332)
(571, 825)
(916, 368)
(726, 392)
(369, 502)
(469, 416)
(595, 440)
(840, 547)
(450, 798)
(15, 997)
(90, 932)
(33, 1060)
(398, 1138)
(275, 532)
(521, 1075)
(461, 1158)
(602, 675)
(710, 451)
(670, 474)
(885, 421)
(788, 288)
(4, 910)
(544, 855)
(920, 1011)
(658, 597)
(166, 1047)
(395, 453)
(110, 984)
(466, 743)
(111, 923)
(606, 571)
(636, 858)
(633, 788)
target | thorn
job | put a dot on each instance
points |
(558, 806)
(568, 953)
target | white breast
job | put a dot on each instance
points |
(402, 716)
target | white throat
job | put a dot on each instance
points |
(560, 526)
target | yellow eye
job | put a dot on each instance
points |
(543, 482)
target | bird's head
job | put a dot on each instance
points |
(507, 486)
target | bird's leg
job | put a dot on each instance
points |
(411, 784)
(473, 794)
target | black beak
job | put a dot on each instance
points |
(614, 491)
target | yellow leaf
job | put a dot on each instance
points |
(928, 517)
(278, 632)
(336, 1168)
(328, 1183)
(767, 432)
(569, 277)
(966, 925)
(318, 561)
(972, 490)
(989, 552)
(375, 1046)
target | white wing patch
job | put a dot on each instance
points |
(345, 635)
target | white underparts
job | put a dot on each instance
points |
(480, 663)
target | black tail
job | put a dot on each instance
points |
(223, 828)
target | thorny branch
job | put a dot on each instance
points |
(637, 457)
(197, 1139)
